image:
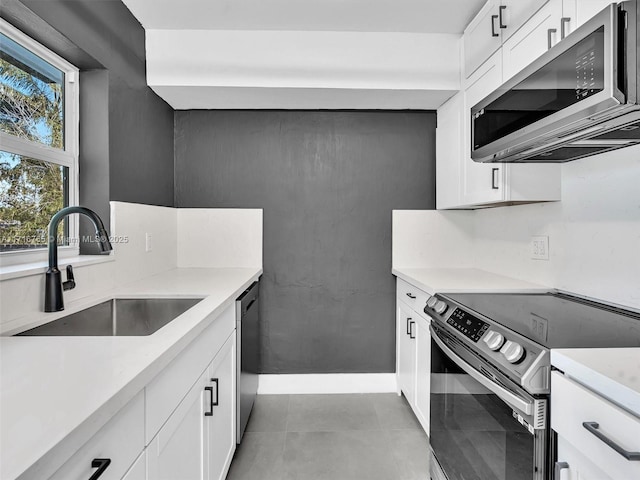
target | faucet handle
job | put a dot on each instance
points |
(71, 282)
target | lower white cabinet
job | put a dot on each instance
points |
(198, 440)
(592, 434)
(113, 449)
(413, 356)
(139, 469)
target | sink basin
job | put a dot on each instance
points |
(117, 317)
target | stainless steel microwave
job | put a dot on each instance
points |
(580, 98)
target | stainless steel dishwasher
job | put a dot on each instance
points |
(248, 354)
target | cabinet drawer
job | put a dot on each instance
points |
(166, 391)
(572, 404)
(121, 440)
(411, 296)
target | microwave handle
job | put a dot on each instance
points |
(505, 395)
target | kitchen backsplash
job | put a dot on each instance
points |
(21, 298)
(594, 233)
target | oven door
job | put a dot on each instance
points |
(479, 428)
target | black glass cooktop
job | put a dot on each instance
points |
(557, 320)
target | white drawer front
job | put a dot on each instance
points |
(572, 404)
(413, 297)
(121, 440)
(166, 391)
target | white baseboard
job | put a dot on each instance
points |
(327, 383)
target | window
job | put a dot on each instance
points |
(38, 143)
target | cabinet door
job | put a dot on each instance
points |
(221, 426)
(177, 451)
(481, 183)
(406, 331)
(138, 470)
(515, 13)
(482, 37)
(587, 9)
(423, 372)
(449, 152)
(532, 40)
(576, 465)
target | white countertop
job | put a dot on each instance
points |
(613, 373)
(56, 392)
(460, 280)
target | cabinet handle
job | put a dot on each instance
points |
(558, 469)
(494, 178)
(550, 32)
(502, 9)
(101, 464)
(210, 412)
(215, 404)
(564, 21)
(411, 324)
(411, 296)
(493, 26)
(408, 326)
(593, 428)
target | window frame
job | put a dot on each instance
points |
(66, 157)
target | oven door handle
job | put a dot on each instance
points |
(505, 395)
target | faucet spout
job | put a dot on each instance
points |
(53, 301)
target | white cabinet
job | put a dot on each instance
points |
(405, 333)
(547, 27)
(198, 439)
(463, 183)
(113, 449)
(139, 469)
(413, 355)
(586, 9)
(585, 423)
(495, 23)
(423, 372)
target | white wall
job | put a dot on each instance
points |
(221, 237)
(237, 242)
(594, 233)
(297, 69)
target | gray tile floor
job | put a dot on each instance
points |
(332, 437)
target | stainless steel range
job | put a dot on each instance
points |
(490, 376)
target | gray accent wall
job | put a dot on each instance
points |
(327, 182)
(104, 35)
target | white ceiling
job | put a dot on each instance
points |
(414, 16)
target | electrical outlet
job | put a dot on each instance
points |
(540, 247)
(148, 245)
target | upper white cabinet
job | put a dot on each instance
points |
(588, 8)
(548, 26)
(495, 23)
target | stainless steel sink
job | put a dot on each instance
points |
(117, 317)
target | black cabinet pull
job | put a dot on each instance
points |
(501, 22)
(101, 464)
(493, 26)
(494, 181)
(563, 26)
(593, 428)
(411, 324)
(550, 33)
(411, 296)
(408, 326)
(210, 412)
(215, 380)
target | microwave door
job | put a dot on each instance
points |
(561, 91)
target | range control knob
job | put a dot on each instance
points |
(494, 340)
(512, 351)
(440, 307)
(432, 302)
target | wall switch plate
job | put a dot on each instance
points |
(148, 246)
(540, 247)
